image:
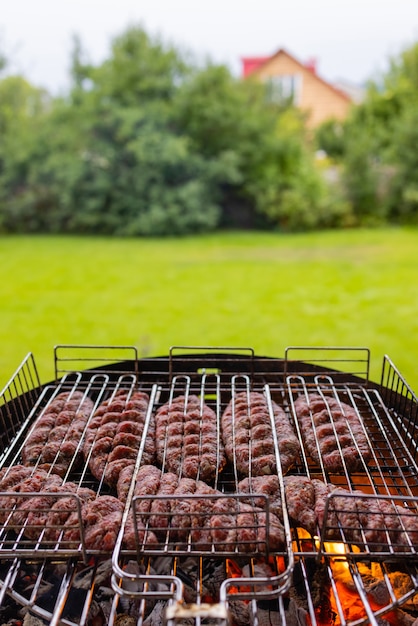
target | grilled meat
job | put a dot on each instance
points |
(187, 439)
(136, 535)
(248, 438)
(263, 486)
(300, 497)
(352, 516)
(162, 513)
(114, 434)
(147, 483)
(363, 519)
(21, 479)
(243, 527)
(407, 535)
(300, 502)
(192, 515)
(32, 512)
(155, 514)
(48, 511)
(160, 508)
(354, 519)
(55, 438)
(101, 519)
(64, 511)
(333, 433)
(208, 518)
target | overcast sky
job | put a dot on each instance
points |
(350, 39)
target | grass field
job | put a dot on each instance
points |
(266, 291)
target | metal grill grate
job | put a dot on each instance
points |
(172, 579)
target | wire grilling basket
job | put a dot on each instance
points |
(199, 535)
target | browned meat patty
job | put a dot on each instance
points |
(332, 433)
(45, 514)
(31, 512)
(101, 519)
(64, 512)
(159, 513)
(114, 435)
(353, 517)
(265, 486)
(222, 522)
(407, 535)
(11, 477)
(365, 520)
(54, 440)
(181, 508)
(137, 536)
(300, 502)
(187, 439)
(21, 479)
(149, 481)
(248, 438)
(208, 519)
(239, 526)
(211, 520)
(300, 498)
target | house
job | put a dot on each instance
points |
(289, 79)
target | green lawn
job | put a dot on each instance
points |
(266, 291)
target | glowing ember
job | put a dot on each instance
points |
(257, 569)
(347, 602)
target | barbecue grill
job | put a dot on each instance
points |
(337, 575)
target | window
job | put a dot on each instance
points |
(284, 88)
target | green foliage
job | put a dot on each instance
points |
(273, 170)
(139, 70)
(148, 143)
(402, 79)
(107, 161)
(218, 111)
(20, 105)
(360, 176)
(23, 109)
(403, 194)
(379, 150)
(123, 175)
(3, 61)
(329, 137)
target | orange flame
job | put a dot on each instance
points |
(349, 601)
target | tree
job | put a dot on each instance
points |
(139, 70)
(272, 176)
(402, 81)
(403, 189)
(377, 148)
(139, 179)
(147, 143)
(329, 137)
(23, 108)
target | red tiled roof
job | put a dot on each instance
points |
(250, 64)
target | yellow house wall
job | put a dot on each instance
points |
(319, 100)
